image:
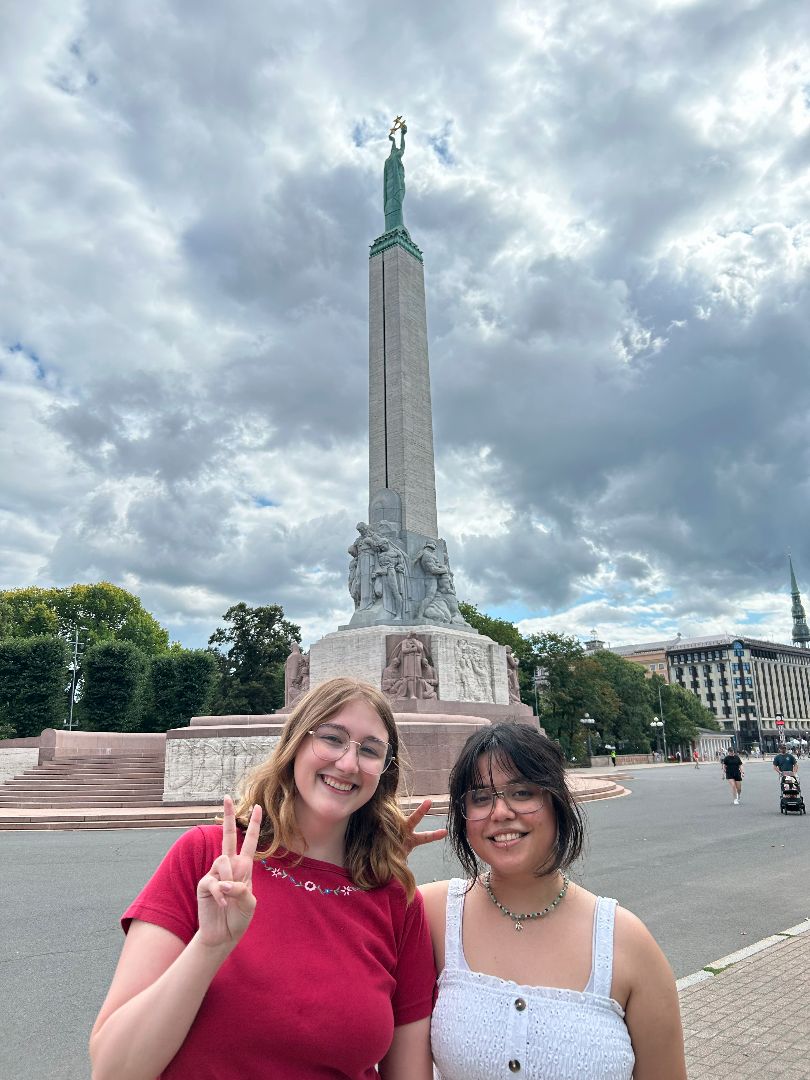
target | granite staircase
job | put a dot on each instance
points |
(94, 792)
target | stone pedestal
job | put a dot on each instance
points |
(362, 653)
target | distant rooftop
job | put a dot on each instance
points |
(713, 642)
(647, 646)
(727, 639)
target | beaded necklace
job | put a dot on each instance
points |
(520, 919)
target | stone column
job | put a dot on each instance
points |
(400, 412)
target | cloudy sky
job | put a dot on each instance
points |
(613, 198)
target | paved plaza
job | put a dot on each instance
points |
(707, 877)
(750, 1020)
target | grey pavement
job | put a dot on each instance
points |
(750, 1020)
(707, 877)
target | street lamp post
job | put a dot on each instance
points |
(589, 722)
(659, 725)
(74, 666)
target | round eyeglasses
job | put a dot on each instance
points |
(330, 743)
(522, 797)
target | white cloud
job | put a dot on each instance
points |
(612, 203)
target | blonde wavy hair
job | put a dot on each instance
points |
(375, 835)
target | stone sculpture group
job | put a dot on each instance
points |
(392, 587)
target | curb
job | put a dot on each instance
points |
(717, 967)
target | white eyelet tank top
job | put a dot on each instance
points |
(484, 1027)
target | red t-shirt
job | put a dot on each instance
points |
(314, 989)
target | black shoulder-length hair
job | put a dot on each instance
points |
(532, 756)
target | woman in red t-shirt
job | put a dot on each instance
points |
(289, 941)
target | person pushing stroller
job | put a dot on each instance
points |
(783, 762)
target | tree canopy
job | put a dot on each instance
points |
(613, 690)
(251, 651)
(100, 612)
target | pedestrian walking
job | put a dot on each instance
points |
(783, 762)
(613, 758)
(733, 771)
(696, 758)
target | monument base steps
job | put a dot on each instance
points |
(90, 781)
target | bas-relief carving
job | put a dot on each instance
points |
(207, 769)
(512, 665)
(472, 672)
(296, 675)
(409, 672)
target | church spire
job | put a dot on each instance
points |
(801, 633)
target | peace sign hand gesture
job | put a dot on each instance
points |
(225, 900)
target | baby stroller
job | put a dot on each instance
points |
(791, 800)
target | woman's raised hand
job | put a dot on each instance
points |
(414, 839)
(225, 900)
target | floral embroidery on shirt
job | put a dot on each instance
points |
(310, 886)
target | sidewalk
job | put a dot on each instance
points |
(751, 1019)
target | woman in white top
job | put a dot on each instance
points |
(538, 977)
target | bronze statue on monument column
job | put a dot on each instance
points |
(394, 178)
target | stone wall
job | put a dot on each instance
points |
(622, 759)
(64, 744)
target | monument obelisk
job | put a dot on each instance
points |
(407, 634)
(400, 413)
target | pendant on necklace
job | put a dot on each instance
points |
(518, 926)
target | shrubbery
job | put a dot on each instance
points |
(33, 678)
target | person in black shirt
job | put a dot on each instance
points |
(733, 770)
(783, 762)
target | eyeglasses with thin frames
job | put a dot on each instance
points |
(330, 743)
(522, 797)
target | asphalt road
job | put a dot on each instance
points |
(706, 877)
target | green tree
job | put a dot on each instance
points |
(33, 676)
(573, 685)
(631, 726)
(251, 652)
(181, 685)
(113, 687)
(100, 612)
(682, 711)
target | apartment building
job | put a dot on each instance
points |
(750, 685)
